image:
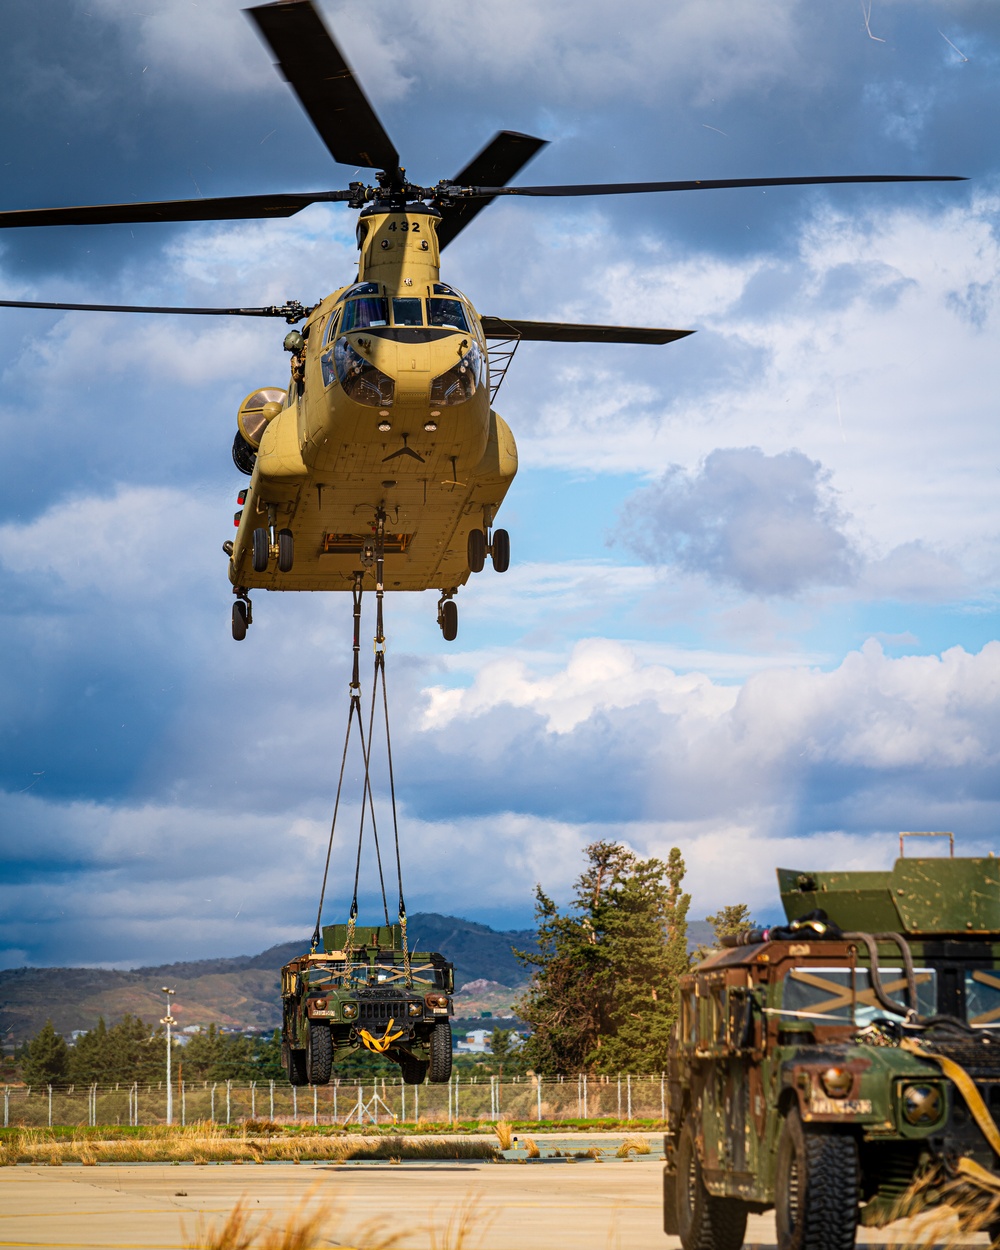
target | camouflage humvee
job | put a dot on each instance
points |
(844, 1068)
(339, 1000)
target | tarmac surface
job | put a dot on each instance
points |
(559, 1205)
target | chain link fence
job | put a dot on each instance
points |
(380, 1101)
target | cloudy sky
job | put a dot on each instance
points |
(751, 608)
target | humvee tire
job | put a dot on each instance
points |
(413, 1070)
(440, 1063)
(319, 1053)
(297, 1068)
(704, 1222)
(816, 1187)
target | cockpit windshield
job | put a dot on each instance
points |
(824, 994)
(446, 312)
(361, 313)
(407, 312)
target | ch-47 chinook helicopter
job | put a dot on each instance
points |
(384, 451)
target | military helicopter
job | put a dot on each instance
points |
(383, 456)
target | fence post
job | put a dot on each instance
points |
(212, 1113)
(619, 1095)
(229, 1090)
(315, 1106)
(457, 1079)
(628, 1083)
(135, 1104)
(183, 1103)
(295, 1103)
(6, 1106)
(50, 1106)
(538, 1097)
(336, 1082)
(272, 1101)
(402, 1101)
(253, 1100)
(663, 1100)
(585, 1112)
(416, 1104)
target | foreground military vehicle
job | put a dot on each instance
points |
(363, 991)
(844, 1068)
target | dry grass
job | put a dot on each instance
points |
(504, 1133)
(532, 1148)
(633, 1145)
(304, 1229)
(941, 1213)
(207, 1143)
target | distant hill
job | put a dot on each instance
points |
(241, 992)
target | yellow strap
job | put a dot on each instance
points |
(380, 1044)
(967, 1086)
(977, 1174)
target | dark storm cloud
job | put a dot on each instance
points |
(767, 524)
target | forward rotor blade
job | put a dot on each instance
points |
(273, 311)
(704, 184)
(568, 332)
(503, 158)
(220, 208)
(320, 76)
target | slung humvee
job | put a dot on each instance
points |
(362, 991)
(843, 1068)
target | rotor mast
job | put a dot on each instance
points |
(399, 245)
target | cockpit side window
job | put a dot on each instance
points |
(361, 313)
(446, 312)
(331, 328)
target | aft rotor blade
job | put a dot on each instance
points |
(503, 158)
(221, 208)
(272, 311)
(320, 76)
(703, 184)
(568, 332)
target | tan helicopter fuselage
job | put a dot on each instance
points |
(392, 418)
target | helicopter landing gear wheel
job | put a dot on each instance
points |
(286, 550)
(239, 620)
(261, 550)
(242, 613)
(500, 551)
(477, 550)
(448, 619)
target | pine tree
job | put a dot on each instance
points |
(604, 992)
(203, 1053)
(727, 921)
(730, 920)
(88, 1059)
(46, 1061)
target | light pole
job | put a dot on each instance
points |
(168, 1020)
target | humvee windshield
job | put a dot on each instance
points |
(424, 976)
(982, 998)
(824, 994)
